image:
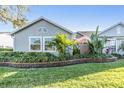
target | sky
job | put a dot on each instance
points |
(75, 17)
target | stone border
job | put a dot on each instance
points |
(59, 63)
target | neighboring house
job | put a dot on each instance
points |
(77, 35)
(6, 40)
(36, 35)
(87, 33)
(115, 36)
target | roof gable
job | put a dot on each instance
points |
(38, 20)
(121, 24)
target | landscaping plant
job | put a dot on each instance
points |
(76, 48)
(62, 43)
(121, 47)
(117, 55)
(6, 49)
(34, 57)
(96, 44)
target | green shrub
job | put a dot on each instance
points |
(76, 56)
(121, 47)
(76, 49)
(95, 56)
(117, 55)
(6, 49)
(26, 57)
(32, 57)
(5, 56)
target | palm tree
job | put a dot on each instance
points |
(96, 44)
(61, 42)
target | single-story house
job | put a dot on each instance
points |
(87, 33)
(36, 35)
(115, 37)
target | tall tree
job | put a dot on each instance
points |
(13, 14)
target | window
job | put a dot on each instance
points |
(35, 43)
(39, 43)
(111, 44)
(48, 48)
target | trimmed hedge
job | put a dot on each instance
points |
(32, 57)
(6, 49)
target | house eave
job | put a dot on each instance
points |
(38, 20)
(120, 23)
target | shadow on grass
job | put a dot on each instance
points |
(46, 76)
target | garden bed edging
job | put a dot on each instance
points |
(58, 63)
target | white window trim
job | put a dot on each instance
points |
(40, 44)
(44, 37)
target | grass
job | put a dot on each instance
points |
(98, 75)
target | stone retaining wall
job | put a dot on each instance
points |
(58, 64)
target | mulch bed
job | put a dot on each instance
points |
(57, 64)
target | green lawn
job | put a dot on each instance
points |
(81, 75)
